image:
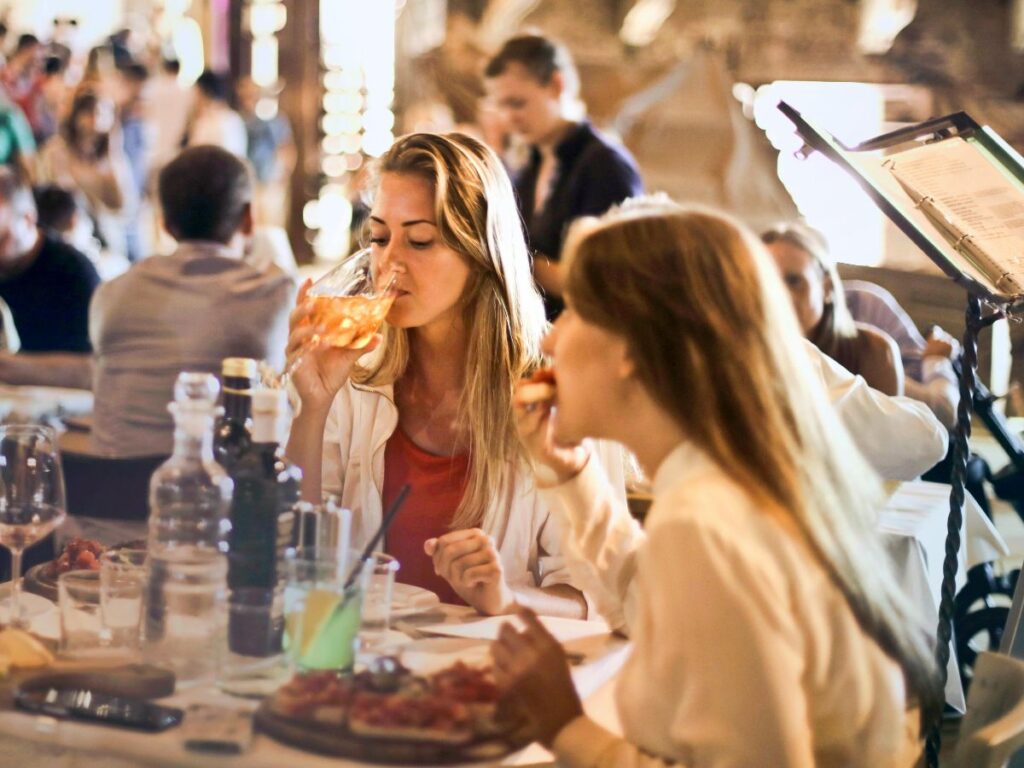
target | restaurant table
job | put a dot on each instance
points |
(913, 526)
(29, 740)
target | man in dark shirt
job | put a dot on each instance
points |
(573, 169)
(48, 285)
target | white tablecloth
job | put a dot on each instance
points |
(913, 525)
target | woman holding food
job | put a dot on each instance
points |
(767, 627)
(432, 406)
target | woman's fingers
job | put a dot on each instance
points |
(460, 565)
(300, 339)
(531, 396)
(301, 311)
(478, 575)
(449, 549)
(535, 629)
(531, 419)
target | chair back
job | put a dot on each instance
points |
(110, 489)
(993, 728)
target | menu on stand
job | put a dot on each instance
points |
(977, 207)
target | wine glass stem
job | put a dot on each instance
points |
(14, 619)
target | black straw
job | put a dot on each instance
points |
(385, 523)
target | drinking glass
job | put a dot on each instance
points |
(254, 666)
(32, 501)
(351, 301)
(122, 587)
(377, 600)
(81, 623)
(322, 618)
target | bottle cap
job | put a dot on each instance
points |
(239, 367)
(196, 388)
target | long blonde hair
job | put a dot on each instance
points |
(716, 344)
(476, 215)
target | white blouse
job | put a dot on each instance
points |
(899, 436)
(361, 421)
(745, 653)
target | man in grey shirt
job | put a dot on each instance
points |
(186, 311)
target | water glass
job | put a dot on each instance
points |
(122, 588)
(377, 601)
(254, 666)
(185, 623)
(81, 623)
(322, 618)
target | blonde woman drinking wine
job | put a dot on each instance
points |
(432, 407)
(767, 627)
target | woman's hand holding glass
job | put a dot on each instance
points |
(553, 463)
(469, 561)
(317, 369)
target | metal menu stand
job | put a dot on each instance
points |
(864, 163)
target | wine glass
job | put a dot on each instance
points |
(350, 302)
(32, 501)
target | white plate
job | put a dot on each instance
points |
(32, 606)
(407, 600)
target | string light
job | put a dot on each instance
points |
(357, 50)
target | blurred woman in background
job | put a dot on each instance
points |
(816, 291)
(86, 156)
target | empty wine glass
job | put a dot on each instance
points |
(31, 496)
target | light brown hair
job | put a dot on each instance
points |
(715, 342)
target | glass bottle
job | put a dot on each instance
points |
(231, 434)
(189, 500)
(267, 488)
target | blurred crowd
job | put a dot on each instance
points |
(90, 131)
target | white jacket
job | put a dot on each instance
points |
(361, 420)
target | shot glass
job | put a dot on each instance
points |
(376, 618)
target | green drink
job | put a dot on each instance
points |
(332, 644)
(322, 619)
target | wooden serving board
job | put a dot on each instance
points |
(337, 741)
